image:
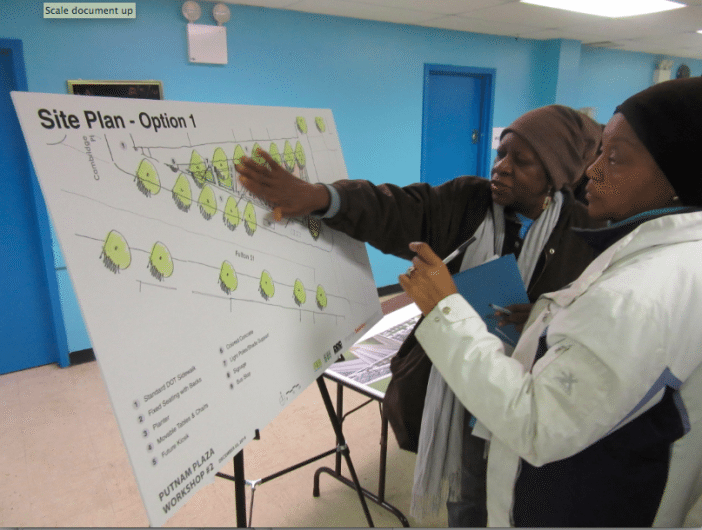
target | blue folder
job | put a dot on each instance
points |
(495, 282)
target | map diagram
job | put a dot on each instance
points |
(207, 185)
(207, 317)
(368, 361)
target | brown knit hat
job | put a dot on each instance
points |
(667, 118)
(565, 140)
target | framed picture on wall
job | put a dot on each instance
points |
(117, 89)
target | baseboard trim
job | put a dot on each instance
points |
(81, 356)
(389, 289)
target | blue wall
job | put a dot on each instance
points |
(368, 73)
(608, 77)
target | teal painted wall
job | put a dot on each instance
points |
(608, 77)
(369, 74)
(568, 90)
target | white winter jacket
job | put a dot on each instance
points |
(629, 325)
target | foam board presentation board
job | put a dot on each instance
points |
(207, 317)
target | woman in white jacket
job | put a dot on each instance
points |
(583, 415)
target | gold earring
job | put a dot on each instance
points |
(547, 201)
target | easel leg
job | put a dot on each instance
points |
(342, 447)
(340, 419)
(240, 490)
(336, 472)
(383, 455)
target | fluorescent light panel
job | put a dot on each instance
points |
(609, 8)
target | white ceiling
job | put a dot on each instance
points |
(671, 33)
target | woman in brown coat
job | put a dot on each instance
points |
(526, 209)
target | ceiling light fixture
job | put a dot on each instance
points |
(609, 8)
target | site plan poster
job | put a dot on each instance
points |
(206, 316)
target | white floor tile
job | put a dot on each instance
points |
(64, 464)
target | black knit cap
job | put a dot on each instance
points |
(667, 118)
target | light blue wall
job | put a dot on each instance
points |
(608, 77)
(368, 73)
(568, 91)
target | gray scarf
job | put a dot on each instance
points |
(437, 472)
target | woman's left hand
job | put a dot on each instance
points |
(427, 281)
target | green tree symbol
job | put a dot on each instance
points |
(275, 154)
(221, 166)
(238, 153)
(147, 178)
(115, 254)
(299, 294)
(160, 262)
(182, 195)
(198, 169)
(250, 218)
(288, 156)
(321, 297)
(300, 155)
(231, 214)
(207, 202)
(256, 157)
(227, 277)
(301, 124)
(265, 286)
(319, 122)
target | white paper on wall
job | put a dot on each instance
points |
(207, 318)
(496, 133)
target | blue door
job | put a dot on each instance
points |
(456, 122)
(29, 296)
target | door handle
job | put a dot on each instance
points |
(475, 137)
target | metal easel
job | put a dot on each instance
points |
(341, 449)
(378, 498)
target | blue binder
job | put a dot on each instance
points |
(495, 282)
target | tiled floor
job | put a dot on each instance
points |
(62, 462)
